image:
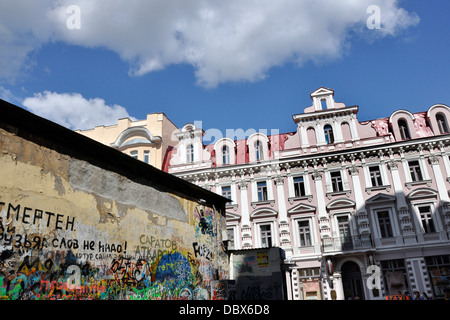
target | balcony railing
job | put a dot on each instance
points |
(348, 243)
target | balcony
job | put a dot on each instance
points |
(346, 244)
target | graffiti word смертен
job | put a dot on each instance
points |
(28, 215)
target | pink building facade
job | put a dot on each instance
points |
(361, 209)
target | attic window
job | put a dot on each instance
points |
(259, 150)
(404, 131)
(442, 123)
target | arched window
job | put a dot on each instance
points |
(442, 123)
(329, 137)
(225, 155)
(190, 153)
(404, 131)
(259, 150)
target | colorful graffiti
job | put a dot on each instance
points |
(38, 266)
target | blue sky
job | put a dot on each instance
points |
(239, 64)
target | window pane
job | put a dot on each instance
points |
(305, 233)
(385, 224)
(299, 187)
(266, 236)
(375, 176)
(414, 169)
(426, 218)
(262, 191)
(328, 131)
(226, 192)
(336, 181)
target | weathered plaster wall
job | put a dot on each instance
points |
(73, 230)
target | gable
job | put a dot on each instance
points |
(263, 212)
(341, 203)
(381, 198)
(301, 208)
(422, 194)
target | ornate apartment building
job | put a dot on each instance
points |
(147, 140)
(359, 208)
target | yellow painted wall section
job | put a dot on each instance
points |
(72, 230)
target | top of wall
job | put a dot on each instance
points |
(53, 136)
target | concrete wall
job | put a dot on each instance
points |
(79, 220)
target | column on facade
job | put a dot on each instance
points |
(404, 215)
(324, 221)
(245, 215)
(443, 195)
(285, 239)
(362, 220)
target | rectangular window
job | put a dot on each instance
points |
(262, 191)
(299, 187)
(147, 156)
(304, 233)
(395, 276)
(426, 219)
(439, 270)
(226, 192)
(375, 176)
(134, 154)
(190, 153)
(336, 181)
(384, 222)
(344, 228)
(414, 169)
(266, 236)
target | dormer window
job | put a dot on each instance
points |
(259, 154)
(225, 155)
(442, 123)
(190, 153)
(404, 131)
(329, 136)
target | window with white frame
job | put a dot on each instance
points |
(415, 171)
(329, 136)
(266, 235)
(384, 223)
(225, 155)
(259, 151)
(403, 128)
(190, 153)
(262, 190)
(426, 218)
(147, 156)
(343, 227)
(442, 123)
(375, 176)
(336, 181)
(304, 231)
(226, 192)
(299, 187)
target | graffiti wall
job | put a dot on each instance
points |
(73, 230)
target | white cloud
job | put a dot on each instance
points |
(74, 111)
(230, 40)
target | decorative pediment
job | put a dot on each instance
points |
(341, 203)
(302, 208)
(232, 216)
(422, 193)
(381, 198)
(263, 212)
(322, 91)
